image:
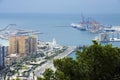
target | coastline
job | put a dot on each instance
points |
(49, 64)
(38, 72)
(65, 53)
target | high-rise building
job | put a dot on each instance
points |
(3, 53)
(17, 45)
(32, 44)
(22, 44)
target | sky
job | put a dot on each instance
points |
(60, 6)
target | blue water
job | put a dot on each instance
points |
(58, 26)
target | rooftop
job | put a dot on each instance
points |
(4, 42)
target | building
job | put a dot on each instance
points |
(22, 44)
(3, 53)
(32, 44)
(17, 45)
(104, 37)
(11, 59)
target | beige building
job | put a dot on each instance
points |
(22, 44)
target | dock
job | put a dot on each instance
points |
(108, 37)
(49, 64)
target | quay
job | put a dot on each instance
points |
(38, 72)
(109, 36)
(65, 53)
(49, 64)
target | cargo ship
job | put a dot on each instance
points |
(88, 24)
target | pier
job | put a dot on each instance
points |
(11, 30)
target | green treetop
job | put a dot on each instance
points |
(95, 62)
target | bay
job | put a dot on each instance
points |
(58, 26)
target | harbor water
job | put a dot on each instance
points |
(58, 26)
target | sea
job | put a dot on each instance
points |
(58, 26)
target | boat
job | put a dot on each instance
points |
(78, 26)
(88, 24)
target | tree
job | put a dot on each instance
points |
(99, 62)
(39, 78)
(59, 75)
(18, 79)
(68, 67)
(33, 75)
(48, 74)
(95, 62)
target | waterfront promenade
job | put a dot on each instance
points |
(49, 64)
(38, 72)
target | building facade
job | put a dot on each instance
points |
(3, 53)
(22, 45)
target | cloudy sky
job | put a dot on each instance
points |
(59, 6)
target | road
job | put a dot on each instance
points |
(49, 64)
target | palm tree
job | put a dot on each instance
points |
(18, 79)
(33, 75)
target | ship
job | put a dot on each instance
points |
(78, 26)
(88, 24)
